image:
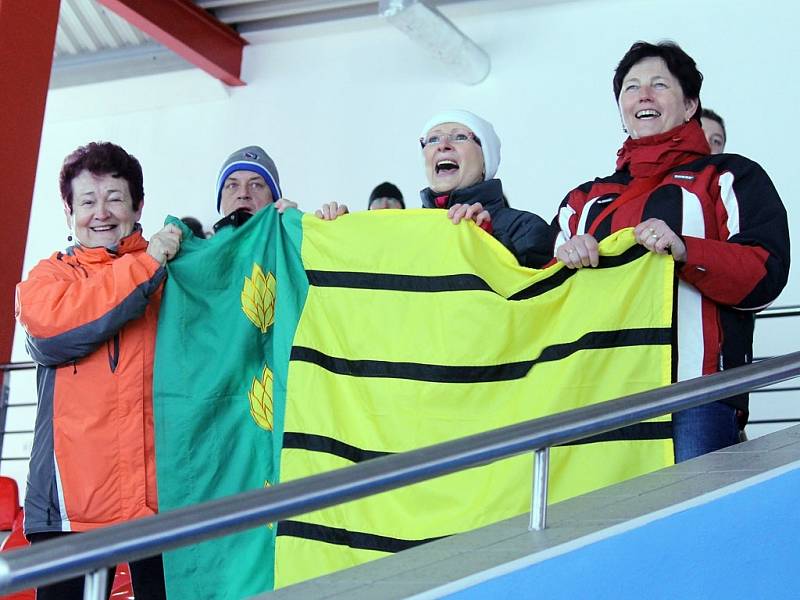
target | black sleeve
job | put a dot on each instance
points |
(525, 234)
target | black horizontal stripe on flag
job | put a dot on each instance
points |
(409, 370)
(328, 445)
(630, 255)
(603, 340)
(605, 262)
(400, 283)
(661, 430)
(343, 537)
(543, 286)
(481, 373)
(453, 283)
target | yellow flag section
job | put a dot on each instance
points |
(435, 332)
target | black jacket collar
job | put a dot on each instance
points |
(487, 193)
(236, 219)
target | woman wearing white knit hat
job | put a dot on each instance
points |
(462, 153)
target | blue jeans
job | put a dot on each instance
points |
(703, 429)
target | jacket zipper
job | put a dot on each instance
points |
(113, 353)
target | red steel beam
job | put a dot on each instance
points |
(27, 38)
(189, 31)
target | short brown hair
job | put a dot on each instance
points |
(102, 158)
(680, 64)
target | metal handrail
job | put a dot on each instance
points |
(95, 550)
(18, 366)
(778, 313)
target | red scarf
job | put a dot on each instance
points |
(656, 154)
(650, 157)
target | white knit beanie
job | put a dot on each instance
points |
(483, 130)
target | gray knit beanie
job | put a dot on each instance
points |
(250, 158)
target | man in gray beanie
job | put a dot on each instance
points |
(247, 182)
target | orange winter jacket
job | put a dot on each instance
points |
(90, 315)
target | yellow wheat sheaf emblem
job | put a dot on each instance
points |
(260, 396)
(258, 298)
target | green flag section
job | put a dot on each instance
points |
(416, 331)
(292, 346)
(226, 324)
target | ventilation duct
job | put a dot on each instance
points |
(424, 24)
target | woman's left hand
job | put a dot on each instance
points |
(656, 236)
(473, 212)
(579, 251)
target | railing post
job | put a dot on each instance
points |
(94, 587)
(541, 468)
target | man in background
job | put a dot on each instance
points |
(714, 128)
(385, 195)
(247, 182)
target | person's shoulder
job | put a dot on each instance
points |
(749, 179)
(602, 185)
(55, 265)
(426, 196)
(57, 260)
(725, 162)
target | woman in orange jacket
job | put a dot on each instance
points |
(90, 315)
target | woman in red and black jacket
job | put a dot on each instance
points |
(718, 215)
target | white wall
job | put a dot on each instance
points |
(339, 107)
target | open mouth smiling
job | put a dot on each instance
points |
(647, 113)
(447, 166)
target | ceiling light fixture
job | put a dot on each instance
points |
(424, 24)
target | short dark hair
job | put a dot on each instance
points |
(102, 158)
(710, 114)
(680, 64)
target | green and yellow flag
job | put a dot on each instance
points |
(293, 346)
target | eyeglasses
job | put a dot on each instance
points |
(459, 137)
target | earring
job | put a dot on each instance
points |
(69, 238)
(624, 129)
